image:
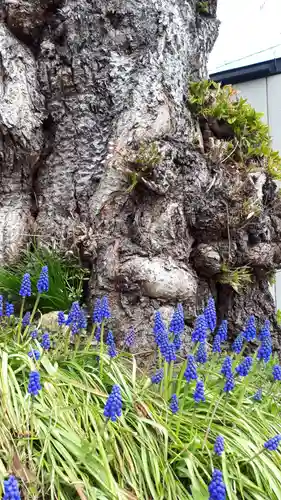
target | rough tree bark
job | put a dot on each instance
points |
(82, 84)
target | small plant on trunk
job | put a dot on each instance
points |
(212, 100)
(141, 162)
(238, 278)
(202, 7)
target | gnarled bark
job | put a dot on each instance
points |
(86, 84)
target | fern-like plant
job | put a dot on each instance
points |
(238, 278)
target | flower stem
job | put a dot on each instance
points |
(77, 344)
(255, 456)
(67, 340)
(166, 380)
(170, 378)
(270, 391)
(243, 392)
(211, 420)
(224, 406)
(159, 359)
(91, 338)
(239, 356)
(181, 411)
(20, 319)
(192, 422)
(30, 427)
(180, 377)
(34, 308)
(32, 315)
(101, 348)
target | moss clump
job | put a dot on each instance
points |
(141, 162)
(202, 7)
(211, 99)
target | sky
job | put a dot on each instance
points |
(250, 32)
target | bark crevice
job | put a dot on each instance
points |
(27, 19)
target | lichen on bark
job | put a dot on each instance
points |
(95, 81)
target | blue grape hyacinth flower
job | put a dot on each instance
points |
(159, 328)
(35, 354)
(11, 489)
(111, 350)
(177, 342)
(199, 333)
(219, 446)
(74, 328)
(217, 489)
(276, 372)
(250, 330)
(229, 384)
(168, 351)
(258, 395)
(1, 306)
(76, 318)
(34, 385)
(226, 369)
(26, 319)
(273, 443)
(110, 342)
(177, 322)
(97, 313)
(113, 405)
(265, 350)
(238, 344)
(82, 322)
(129, 338)
(265, 331)
(34, 334)
(217, 344)
(109, 338)
(98, 333)
(174, 405)
(74, 314)
(181, 315)
(45, 341)
(157, 377)
(199, 394)
(244, 367)
(105, 310)
(210, 314)
(61, 318)
(201, 354)
(43, 281)
(190, 371)
(25, 289)
(9, 309)
(222, 331)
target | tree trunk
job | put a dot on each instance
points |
(86, 87)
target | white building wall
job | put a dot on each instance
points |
(256, 93)
(264, 95)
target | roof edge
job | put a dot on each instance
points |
(247, 73)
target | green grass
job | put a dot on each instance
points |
(64, 448)
(66, 279)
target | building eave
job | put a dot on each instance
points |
(247, 73)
